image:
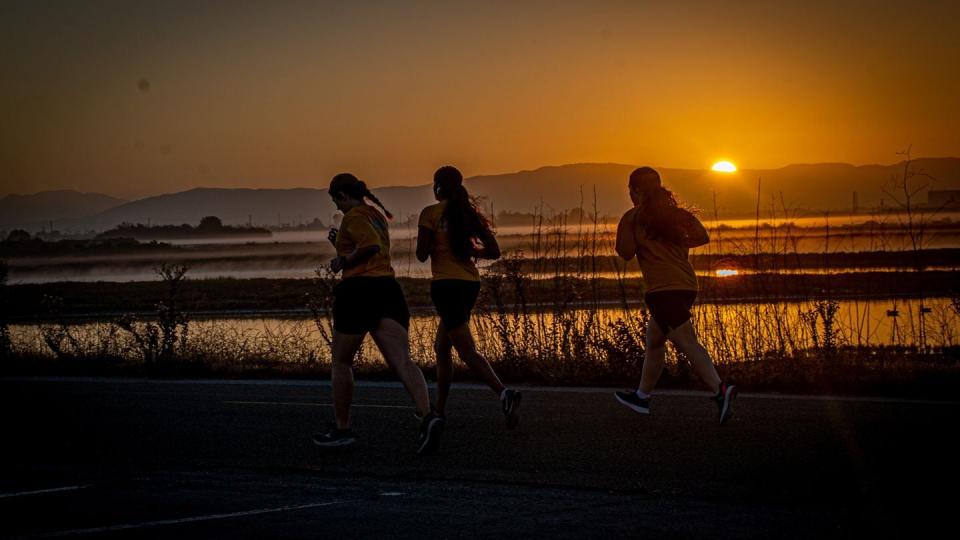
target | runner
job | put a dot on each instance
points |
(659, 233)
(452, 233)
(369, 299)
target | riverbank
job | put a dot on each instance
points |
(228, 297)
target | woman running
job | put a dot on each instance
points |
(452, 233)
(369, 299)
(660, 233)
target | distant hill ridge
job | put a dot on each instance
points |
(37, 210)
(812, 186)
(823, 186)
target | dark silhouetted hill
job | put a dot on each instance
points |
(825, 186)
(260, 207)
(37, 210)
(232, 206)
(815, 187)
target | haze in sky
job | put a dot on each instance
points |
(137, 98)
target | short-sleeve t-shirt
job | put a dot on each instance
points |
(665, 266)
(443, 263)
(363, 226)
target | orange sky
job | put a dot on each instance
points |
(248, 96)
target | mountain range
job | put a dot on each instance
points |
(37, 210)
(824, 186)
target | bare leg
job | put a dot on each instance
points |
(345, 347)
(443, 347)
(653, 357)
(462, 340)
(392, 340)
(685, 339)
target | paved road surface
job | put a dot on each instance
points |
(223, 459)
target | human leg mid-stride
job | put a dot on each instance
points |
(344, 348)
(684, 338)
(392, 340)
(461, 338)
(653, 361)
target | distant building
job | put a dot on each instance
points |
(943, 198)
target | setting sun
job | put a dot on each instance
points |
(724, 166)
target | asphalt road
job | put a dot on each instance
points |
(195, 459)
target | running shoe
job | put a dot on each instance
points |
(724, 400)
(430, 428)
(630, 399)
(511, 407)
(334, 437)
(442, 416)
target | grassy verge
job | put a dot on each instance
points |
(26, 302)
(877, 371)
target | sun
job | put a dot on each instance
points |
(724, 167)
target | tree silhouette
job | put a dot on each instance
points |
(210, 223)
(18, 235)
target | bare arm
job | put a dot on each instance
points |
(360, 256)
(490, 249)
(697, 234)
(626, 244)
(356, 258)
(424, 243)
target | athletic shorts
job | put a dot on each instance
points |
(670, 308)
(454, 300)
(360, 302)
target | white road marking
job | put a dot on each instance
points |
(42, 491)
(314, 404)
(462, 386)
(194, 519)
(392, 494)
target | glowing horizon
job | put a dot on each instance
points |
(131, 99)
(724, 167)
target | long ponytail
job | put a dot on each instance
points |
(462, 214)
(373, 198)
(660, 215)
(354, 187)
